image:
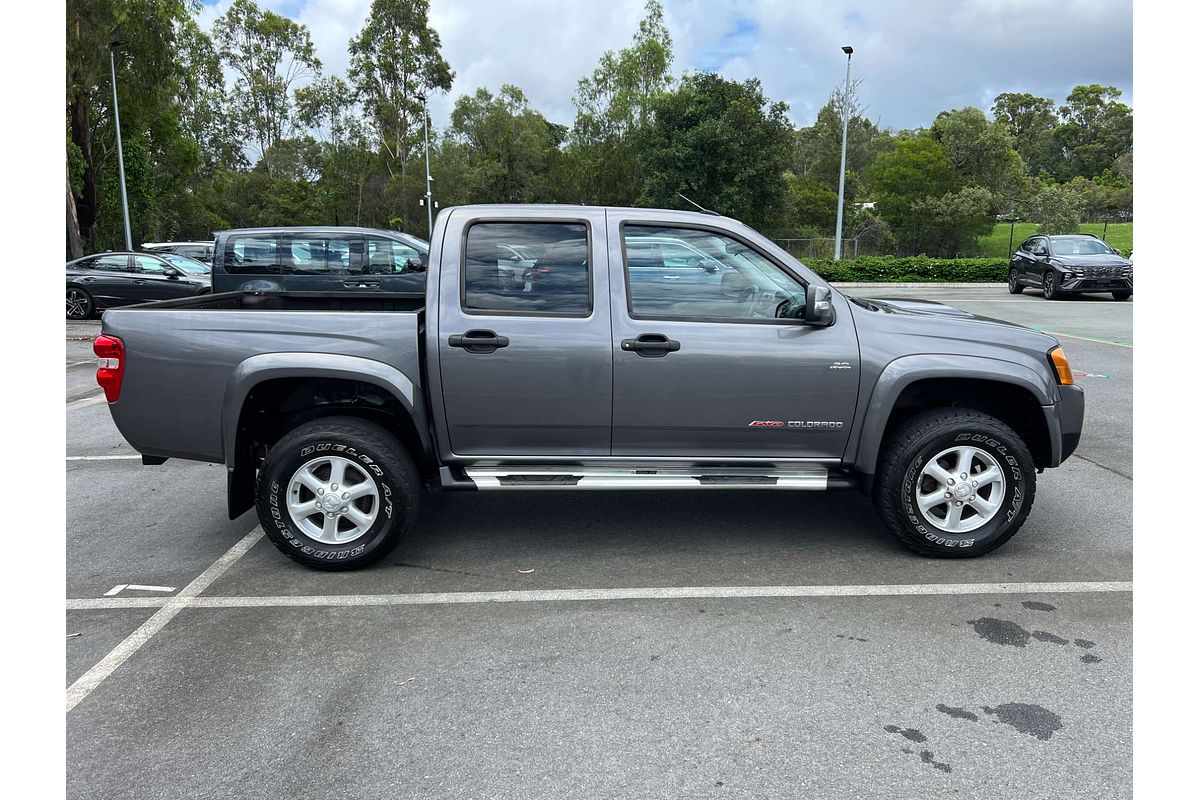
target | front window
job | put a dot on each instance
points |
(148, 265)
(389, 257)
(1080, 247)
(696, 274)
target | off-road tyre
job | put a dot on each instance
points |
(918, 439)
(381, 457)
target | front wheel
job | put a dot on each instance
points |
(954, 483)
(1050, 289)
(337, 493)
(1014, 282)
(1125, 295)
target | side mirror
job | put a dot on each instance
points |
(818, 306)
(415, 265)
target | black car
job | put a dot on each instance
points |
(102, 281)
(1064, 265)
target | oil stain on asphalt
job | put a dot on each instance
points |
(1027, 718)
(1000, 631)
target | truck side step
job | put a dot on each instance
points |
(815, 478)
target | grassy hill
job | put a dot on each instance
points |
(995, 245)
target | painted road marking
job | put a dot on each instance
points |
(84, 685)
(84, 402)
(91, 361)
(1089, 339)
(137, 587)
(591, 595)
(103, 458)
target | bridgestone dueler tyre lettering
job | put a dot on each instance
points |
(909, 449)
(378, 454)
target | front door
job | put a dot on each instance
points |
(154, 279)
(526, 365)
(703, 366)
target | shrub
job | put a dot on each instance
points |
(915, 269)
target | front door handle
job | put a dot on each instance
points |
(361, 284)
(139, 282)
(650, 345)
(478, 341)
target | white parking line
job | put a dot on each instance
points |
(591, 595)
(104, 458)
(84, 402)
(84, 685)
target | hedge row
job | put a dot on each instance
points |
(915, 269)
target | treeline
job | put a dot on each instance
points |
(287, 144)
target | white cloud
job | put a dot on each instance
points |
(915, 58)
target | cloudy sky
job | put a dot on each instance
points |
(915, 57)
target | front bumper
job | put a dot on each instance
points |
(1064, 421)
(1100, 284)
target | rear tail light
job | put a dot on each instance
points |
(1062, 369)
(110, 365)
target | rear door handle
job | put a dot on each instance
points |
(650, 345)
(361, 284)
(478, 341)
(139, 282)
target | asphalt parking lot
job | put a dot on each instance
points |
(582, 645)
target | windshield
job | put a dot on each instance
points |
(185, 264)
(1079, 247)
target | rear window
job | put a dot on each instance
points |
(496, 279)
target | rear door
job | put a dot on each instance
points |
(704, 368)
(323, 262)
(525, 366)
(109, 281)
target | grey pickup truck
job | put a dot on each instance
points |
(564, 348)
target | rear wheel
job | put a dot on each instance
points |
(79, 303)
(1050, 289)
(337, 493)
(1014, 283)
(954, 483)
(1122, 295)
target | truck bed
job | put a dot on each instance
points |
(189, 362)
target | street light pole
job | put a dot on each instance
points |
(837, 243)
(428, 177)
(112, 61)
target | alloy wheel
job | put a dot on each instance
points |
(960, 489)
(333, 500)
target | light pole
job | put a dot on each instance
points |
(428, 177)
(112, 62)
(837, 243)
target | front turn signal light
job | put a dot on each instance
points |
(1062, 368)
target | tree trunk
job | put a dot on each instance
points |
(74, 245)
(86, 204)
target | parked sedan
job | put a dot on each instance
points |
(1064, 265)
(106, 280)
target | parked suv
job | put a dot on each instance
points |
(334, 259)
(1063, 265)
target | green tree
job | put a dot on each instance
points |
(612, 105)
(818, 148)
(500, 150)
(981, 151)
(149, 85)
(721, 143)
(1031, 121)
(1056, 209)
(905, 180)
(1097, 130)
(395, 61)
(270, 54)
